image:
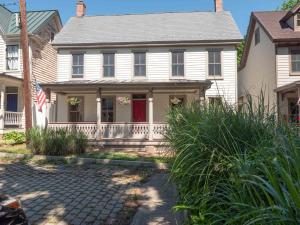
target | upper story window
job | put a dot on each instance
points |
(78, 65)
(298, 20)
(295, 61)
(140, 64)
(178, 64)
(12, 57)
(214, 63)
(108, 64)
(257, 36)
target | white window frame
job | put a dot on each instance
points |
(214, 77)
(133, 62)
(19, 57)
(184, 64)
(103, 66)
(76, 77)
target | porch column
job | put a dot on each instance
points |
(2, 112)
(202, 91)
(48, 106)
(150, 114)
(99, 107)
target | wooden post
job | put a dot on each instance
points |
(150, 108)
(26, 67)
(48, 106)
(99, 109)
(2, 112)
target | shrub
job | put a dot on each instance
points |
(235, 167)
(14, 138)
(56, 142)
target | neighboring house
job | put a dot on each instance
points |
(42, 27)
(119, 75)
(271, 61)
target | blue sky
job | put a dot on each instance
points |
(240, 9)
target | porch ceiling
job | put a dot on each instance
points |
(8, 78)
(80, 85)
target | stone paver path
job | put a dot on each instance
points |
(68, 194)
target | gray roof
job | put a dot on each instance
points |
(149, 28)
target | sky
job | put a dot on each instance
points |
(241, 9)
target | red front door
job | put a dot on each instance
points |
(139, 110)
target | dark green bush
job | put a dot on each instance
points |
(56, 142)
(235, 167)
(14, 138)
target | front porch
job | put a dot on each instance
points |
(11, 104)
(125, 113)
(288, 97)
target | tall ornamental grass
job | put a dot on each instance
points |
(235, 167)
(56, 142)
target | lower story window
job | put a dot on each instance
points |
(76, 109)
(108, 109)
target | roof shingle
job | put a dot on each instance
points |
(144, 28)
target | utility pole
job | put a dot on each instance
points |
(26, 69)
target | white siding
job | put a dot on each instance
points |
(158, 67)
(283, 67)
(260, 71)
(2, 54)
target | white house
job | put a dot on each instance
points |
(271, 61)
(42, 26)
(118, 75)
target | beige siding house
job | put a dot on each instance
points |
(119, 75)
(42, 26)
(271, 61)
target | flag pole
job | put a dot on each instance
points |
(26, 66)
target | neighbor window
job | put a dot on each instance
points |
(108, 64)
(12, 57)
(298, 20)
(140, 64)
(75, 109)
(215, 101)
(214, 63)
(257, 36)
(295, 61)
(178, 64)
(108, 105)
(78, 65)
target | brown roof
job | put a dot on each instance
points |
(277, 29)
(274, 25)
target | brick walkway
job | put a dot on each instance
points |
(68, 194)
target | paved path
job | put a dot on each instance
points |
(159, 198)
(67, 194)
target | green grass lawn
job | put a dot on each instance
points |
(21, 149)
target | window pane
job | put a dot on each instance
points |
(211, 69)
(174, 58)
(78, 59)
(180, 57)
(180, 70)
(217, 57)
(12, 56)
(211, 57)
(217, 69)
(174, 70)
(295, 66)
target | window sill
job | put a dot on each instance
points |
(294, 74)
(215, 78)
(177, 78)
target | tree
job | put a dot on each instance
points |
(240, 51)
(288, 4)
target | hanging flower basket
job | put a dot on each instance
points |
(73, 101)
(123, 100)
(175, 101)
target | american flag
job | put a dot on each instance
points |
(40, 97)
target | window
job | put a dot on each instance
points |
(78, 66)
(177, 101)
(108, 64)
(75, 109)
(52, 35)
(177, 64)
(214, 63)
(12, 57)
(295, 61)
(108, 105)
(257, 36)
(140, 64)
(298, 20)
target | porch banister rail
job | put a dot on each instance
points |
(13, 118)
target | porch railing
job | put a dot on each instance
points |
(115, 130)
(13, 118)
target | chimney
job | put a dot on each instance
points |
(218, 5)
(81, 8)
